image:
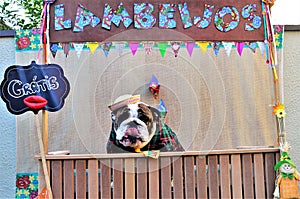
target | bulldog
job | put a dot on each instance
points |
(138, 127)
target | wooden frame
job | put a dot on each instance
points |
(240, 173)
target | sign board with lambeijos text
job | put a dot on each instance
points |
(156, 20)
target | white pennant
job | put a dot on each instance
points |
(262, 47)
(78, 48)
(120, 46)
(228, 47)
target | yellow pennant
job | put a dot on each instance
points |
(203, 45)
(152, 154)
(92, 46)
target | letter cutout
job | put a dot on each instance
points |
(143, 18)
(255, 21)
(115, 16)
(206, 20)
(83, 18)
(223, 26)
(60, 23)
(185, 15)
(166, 15)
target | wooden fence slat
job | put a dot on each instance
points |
(259, 177)
(153, 178)
(69, 179)
(270, 174)
(213, 176)
(129, 178)
(117, 178)
(93, 181)
(142, 181)
(248, 176)
(236, 176)
(189, 177)
(80, 166)
(177, 177)
(225, 176)
(105, 178)
(57, 178)
(201, 177)
(166, 178)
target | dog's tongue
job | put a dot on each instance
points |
(132, 131)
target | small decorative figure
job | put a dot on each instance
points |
(287, 182)
(154, 86)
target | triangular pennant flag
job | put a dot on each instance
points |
(120, 46)
(252, 46)
(106, 47)
(78, 48)
(152, 154)
(240, 47)
(148, 46)
(66, 48)
(262, 47)
(162, 46)
(227, 47)
(175, 47)
(216, 47)
(53, 49)
(203, 45)
(92, 46)
(133, 47)
(190, 47)
(43, 194)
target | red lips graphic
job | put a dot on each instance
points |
(35, 102)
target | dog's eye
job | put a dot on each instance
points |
(144, 118)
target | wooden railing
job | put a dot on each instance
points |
(237, 173)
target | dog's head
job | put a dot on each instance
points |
(134, 124)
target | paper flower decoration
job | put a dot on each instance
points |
(278, 110)
(154, 86)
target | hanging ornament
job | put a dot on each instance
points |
(92, 46)
(53, 49)
(228, 47)
(66, 48)
(148, 46)
(106, 48)
(120, 46)
(162, 109)
(162, 46)
(240, 47)
(133, 46)
(252, 46)
(216, 47)
(190, 47)
(175, 47)
(154, 86)
(203, 45)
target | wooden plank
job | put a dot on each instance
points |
(177, 177)
(162, 154)
(141, 180)
(69, 179)
(189, 177)
(213, 177)
(248, 176)
(117, 178)
(93, 181)
(129, 178)
(270, 174)
(57, 178)
(225, 176)
(80, 166)
(153, 178)
(259, 177)
(105, 179)
(236, 176)
(166, 177)
(201, 177)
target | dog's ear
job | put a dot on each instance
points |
(155, 113)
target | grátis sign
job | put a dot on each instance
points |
(47, 81)
(135, 20)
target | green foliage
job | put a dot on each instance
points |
(21, 14)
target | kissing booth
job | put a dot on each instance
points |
(218, 73)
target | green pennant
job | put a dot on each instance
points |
(162, 46)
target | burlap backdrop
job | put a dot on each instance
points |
(213, 102)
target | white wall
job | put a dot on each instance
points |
(7, 128)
